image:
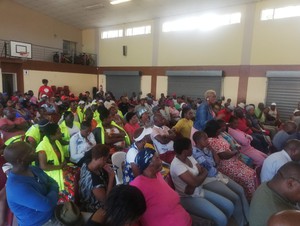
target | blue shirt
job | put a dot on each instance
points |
(203, 115)
(206, 159)
(32, 199)
(280, 139)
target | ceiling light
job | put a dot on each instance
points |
(115, 2)
(95, 6)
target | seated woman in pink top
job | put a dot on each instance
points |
(163, 204)
(132, 124)
(258, 141)
(244, 140)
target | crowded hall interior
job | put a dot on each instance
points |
(149, 113)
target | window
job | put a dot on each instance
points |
(267, 14)
(204, 22)
(290, 11)
(138, 30)
(69, 47)
(280, 13)
(112, 34)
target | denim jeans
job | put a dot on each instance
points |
(53, 222)
(235, 193)
(212, 206)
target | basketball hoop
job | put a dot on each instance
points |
(24, 54)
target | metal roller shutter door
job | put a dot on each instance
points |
(121, 82)
(284, 89)
(194, 83)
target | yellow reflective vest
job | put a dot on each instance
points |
(66, 135)
(34, 132)
(52, 158)
(14, 139)
(127, 139)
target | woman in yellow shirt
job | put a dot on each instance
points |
(184, 126)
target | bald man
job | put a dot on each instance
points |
(31, 194)
(273, 162)
(280, 193)
(285, 218)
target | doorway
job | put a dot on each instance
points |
(9, 83)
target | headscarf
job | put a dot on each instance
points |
(143, 158)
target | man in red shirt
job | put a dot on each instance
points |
(45, 89)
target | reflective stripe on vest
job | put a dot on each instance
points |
(14, 139)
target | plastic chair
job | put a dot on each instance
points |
(118, 159)
(58, 90)
(53, 88)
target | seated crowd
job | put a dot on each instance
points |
(187, 162)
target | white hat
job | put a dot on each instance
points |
(296, 111)
(146, 131)
(274, 104)
(241, 105)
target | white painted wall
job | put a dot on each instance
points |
(257, 90)
(230, 89)
(77, 82)
(146, 84)
(161, 85)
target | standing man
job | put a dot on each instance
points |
(45, 89)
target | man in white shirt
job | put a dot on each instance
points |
(131, 170)
(80, 143)
(108, 101)
(272, 163)
(162, 137)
